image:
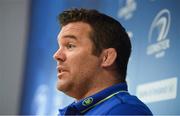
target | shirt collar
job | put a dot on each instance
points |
(87, 103)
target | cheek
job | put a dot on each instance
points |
(79, 63)
(82, 62)
(86, 65)
(77, 58)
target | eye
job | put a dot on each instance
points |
(70, 46)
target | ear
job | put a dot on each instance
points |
(108, 57)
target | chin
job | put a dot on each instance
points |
(62, 86)
(59, 86)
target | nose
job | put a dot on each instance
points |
(59, 55)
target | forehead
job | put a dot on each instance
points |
(78, 29)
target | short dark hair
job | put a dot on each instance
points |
(106, 33)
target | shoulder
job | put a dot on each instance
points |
(127, 104)
(121, 104)
(128, 109)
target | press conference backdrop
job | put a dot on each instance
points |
(153, 71)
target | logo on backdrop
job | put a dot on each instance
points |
(161, 90)
(157, 38)
(126, 12)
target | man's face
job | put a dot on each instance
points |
(77, 66)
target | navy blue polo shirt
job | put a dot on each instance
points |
(114, 100)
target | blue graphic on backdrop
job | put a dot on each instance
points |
(153, 71)
(159, 29)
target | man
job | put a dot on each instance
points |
(92, 61)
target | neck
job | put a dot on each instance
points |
(98, 84)
(94, 90)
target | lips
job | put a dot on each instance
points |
(61, 70)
